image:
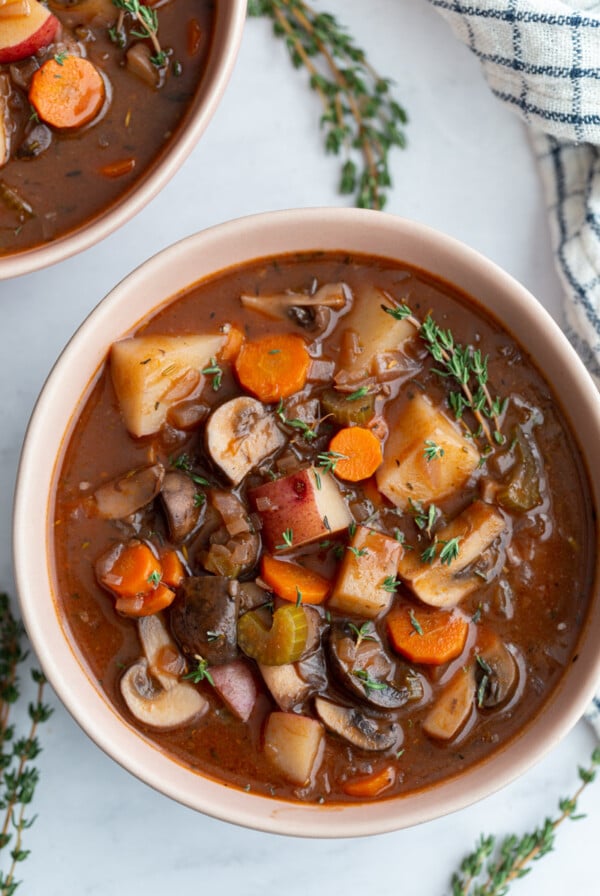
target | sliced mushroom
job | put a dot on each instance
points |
(496, 671)
(179, 500)
(282, 305)
(204, 618)
(252, 596)
(123, 496)
(363, 667)
(164, 660)
(157, 707)
(240, 434)
(358, 729)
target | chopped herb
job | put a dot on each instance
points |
(329, 459)
(369, 684)
(352, 529)
(432, 450)
(199, 499)
(476, 617)
(294, 423)
(400, 753)
(362, 633)
(274, 351)
(424, 519)
(298, 597)
(154, 578)
(391, 584)
(326, 524)
(428, 555)
(215, 371)
(360, 393)
(358, 552)
(59, 58)
(184, 464)
(318, 480)
(450, 551)
(201, 672)
(415, 623)
(288, 540)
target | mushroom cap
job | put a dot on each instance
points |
(159, 708)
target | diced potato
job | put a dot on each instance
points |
(453, 706)
(378, 333)
(294, 744)
(152, 373)
(440, 584)
(300, 508)
(370, 559)
(407, 474)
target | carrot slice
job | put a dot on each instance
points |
(273, 367)
(172, 569)
(371, 785)
(287, 579)
(67, 93)
(425, 635)
(146, 604)
(360, 451)
(134, 571)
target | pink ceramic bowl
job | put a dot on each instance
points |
(228, 28)
(143, 292)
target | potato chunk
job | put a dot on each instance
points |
(300, 508)
(293, 743)
(378, 333)
(152, 373)
(441, 584)
(370, 559)
(407, 474)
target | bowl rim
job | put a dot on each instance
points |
(226, 40)
(323, 229)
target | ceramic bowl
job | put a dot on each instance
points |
(143, 292)
(228, 28)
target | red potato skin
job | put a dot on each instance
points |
(292, 499)
(30, 43)
(235, 685)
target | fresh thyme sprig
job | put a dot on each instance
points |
(19, 776)
(328, 460)
(147, 19)
(491, 868)
(360, 117)
(464, 365)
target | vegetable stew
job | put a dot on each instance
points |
(321, 530)
(91, 94)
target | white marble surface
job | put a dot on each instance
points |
(467, 171)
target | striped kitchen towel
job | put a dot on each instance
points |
(542, 58)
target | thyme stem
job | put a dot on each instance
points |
(18, 776)
(359, 115)
(462, 365)
(512, 859)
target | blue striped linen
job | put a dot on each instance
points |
(542, 58)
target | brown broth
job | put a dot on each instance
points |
(66, 186)
(539, 610)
